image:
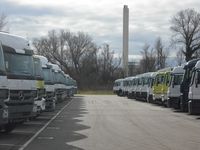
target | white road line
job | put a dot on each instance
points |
(45, 138)
(44, 127)
(53, 128)
(21, 131)
(33, 123)
(11, 145)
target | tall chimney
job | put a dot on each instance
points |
(125, 38)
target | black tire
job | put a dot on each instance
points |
(9, 127)
(183, 105)
(190, 109)
(169, 103)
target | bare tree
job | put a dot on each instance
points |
(107, 64)
(147, 63)
(72, 51)
(180, 57)
(186, 29)
(3, 22)
(161, 54)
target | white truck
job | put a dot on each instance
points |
(69, 85)
(117, 87)
(74, 86)
(126, 85)
(4, 93)
(194, 91)
(39, 102)
(134, 87)
(50, 99)
(130, 87)
(60, 87)
(138, 87)
(144, 89)
(19, 66)
(150, 87)
(173, 92)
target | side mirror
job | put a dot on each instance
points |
(172, 85)
(196, 83)
(181, 87)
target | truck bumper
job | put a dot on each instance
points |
(50, 104)
(19, 112)
(173, 102)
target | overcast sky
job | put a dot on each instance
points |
(102, 19)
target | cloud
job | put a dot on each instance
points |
(101, 19)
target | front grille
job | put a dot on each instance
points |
(21, 95)
(59, 91)
(50, 94)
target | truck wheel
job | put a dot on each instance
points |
(120, 93)
(182, 105)
(9, 127)
(190, 110)
(169, 103)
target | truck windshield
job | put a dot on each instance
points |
(2, 65)
(19, 64)
(140, 81)
(159, 79)
(38, 68)
(56, 75)
(177, 79)
(61, 78)
(187, 75)
(48, 76)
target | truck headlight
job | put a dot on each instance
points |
(5, 113)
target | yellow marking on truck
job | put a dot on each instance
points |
(40, 84)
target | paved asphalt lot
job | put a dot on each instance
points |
(107, 123)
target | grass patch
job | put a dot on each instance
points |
(95, 92)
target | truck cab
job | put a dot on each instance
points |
(194, 89)
(150, 87)
(70, 85)
(134, 86)
(19, 66)
(4, 93)
(39, 102)
(49, 81)
(138, 87)
(60, 88)
(126, 85)
(160, 85)
(173, 92)
(145, 86)
(117, 87)
(185, 84)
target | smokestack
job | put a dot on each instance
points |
(125, 38)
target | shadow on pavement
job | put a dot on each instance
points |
(63, 131)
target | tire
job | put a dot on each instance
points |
(120, 93)
(183, 107)
(9, 127)
(190, 109)
(169, 103)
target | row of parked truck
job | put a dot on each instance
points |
(177, 87)
(29, 84)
